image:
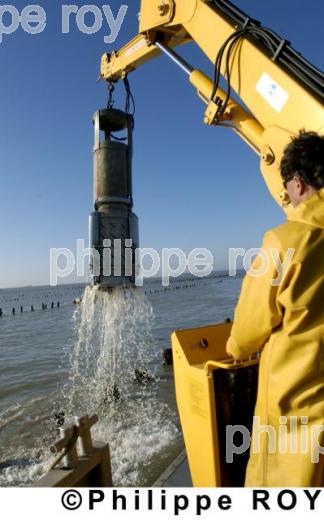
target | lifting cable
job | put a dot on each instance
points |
(129, 103)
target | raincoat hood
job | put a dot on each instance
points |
(311, 211)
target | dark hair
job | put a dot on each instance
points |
(304, 156)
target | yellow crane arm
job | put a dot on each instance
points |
(280, 92)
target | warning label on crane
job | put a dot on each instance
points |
(273, 93)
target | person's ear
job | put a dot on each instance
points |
(299, 185)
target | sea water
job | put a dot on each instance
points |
(83, 359)
(113, 375)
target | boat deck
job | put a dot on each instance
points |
(177, 474)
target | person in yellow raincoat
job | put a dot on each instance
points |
(282, 315)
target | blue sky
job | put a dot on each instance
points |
(194, 186)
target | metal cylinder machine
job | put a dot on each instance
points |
(113, 225)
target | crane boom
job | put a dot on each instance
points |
(280, 92)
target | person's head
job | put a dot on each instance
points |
(302, 166)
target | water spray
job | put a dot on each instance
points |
(113, 225)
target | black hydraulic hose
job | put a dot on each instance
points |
(304, 71)
(238, 16)
(234, 37)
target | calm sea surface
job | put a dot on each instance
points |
(35, 349)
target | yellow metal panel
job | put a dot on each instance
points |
(196, 410)
(197, 353)
(195, 398)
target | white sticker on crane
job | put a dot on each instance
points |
(135, 47)
(273, 93)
